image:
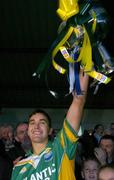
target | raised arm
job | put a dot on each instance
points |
(75, 111)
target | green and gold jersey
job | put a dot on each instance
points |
(56, 162)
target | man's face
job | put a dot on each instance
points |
(38, 129)
(108, 146)
(106, 174)
(7, 132)
(90, 170)
(4, 133)
(112, 129)
(21, 132)
(100, 130)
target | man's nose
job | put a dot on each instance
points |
(91, 171)
(105, 149)
(37, 125)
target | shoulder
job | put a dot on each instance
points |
(24, 161)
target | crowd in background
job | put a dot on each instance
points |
(14, 145)
(95, 150)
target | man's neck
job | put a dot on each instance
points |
(38, 147)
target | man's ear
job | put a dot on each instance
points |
(82, 174)
(50, 131)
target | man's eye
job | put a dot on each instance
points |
(31, 123)
(43, 122)
(86, 170)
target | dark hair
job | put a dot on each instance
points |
(97, 126)
(92, 158)
(42, 112)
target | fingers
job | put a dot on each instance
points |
(100, 155)
(84, 80)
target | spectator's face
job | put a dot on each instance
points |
(112, 129)
(38, 129)
(106, 174)
(90, 170)
(100, 130)
(21, 132)
(4, 133)
(108, 146)
(7, 133)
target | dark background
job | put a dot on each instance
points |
(27, 30)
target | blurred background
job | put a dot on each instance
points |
(27, 30)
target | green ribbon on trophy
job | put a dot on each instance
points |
(79, 45)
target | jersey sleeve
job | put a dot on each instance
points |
(68, 138)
